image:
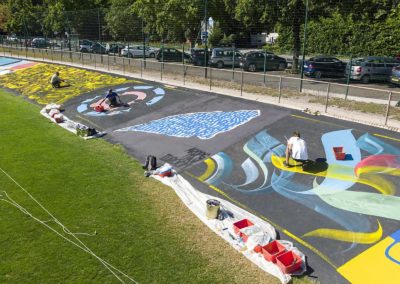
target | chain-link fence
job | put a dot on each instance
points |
(202, 43)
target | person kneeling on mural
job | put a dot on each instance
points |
(56, 80)
(113, 99)
(297, 150)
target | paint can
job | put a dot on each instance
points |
(213, 207)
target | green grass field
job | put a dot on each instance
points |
(142, 227)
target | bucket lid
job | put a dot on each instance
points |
(213, 202)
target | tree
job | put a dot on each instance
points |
(170, 19)
(4, 16)
(122, 22)
(25, 18)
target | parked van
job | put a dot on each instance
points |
(372, 68)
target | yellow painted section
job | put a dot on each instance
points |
(341, 173)
(34, 82)
(209, 171)
(372, 266)
(378, 170)
(346, 236)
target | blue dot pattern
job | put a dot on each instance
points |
(204, 125)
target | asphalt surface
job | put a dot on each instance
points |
(257, 124)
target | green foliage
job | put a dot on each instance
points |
(355, 27)
(121, 21)
(216, 35)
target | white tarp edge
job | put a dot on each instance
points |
(69, 125)
(196, 202)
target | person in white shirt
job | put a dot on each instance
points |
(296, 149)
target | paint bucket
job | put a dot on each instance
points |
(99, 108)
(213, 207)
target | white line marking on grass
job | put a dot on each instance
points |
(6, 198)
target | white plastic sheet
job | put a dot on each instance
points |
(262, 233)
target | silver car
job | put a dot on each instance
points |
(221, 57)
(372, 68)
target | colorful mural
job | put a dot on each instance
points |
(131, 96)
(354, 193)
(9, 65)
(203, 125)
(32, 80)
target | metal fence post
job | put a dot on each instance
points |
(388, 108)
(52, 55)
(161, 70)
(233, 63)
(123, 64)
(348, 77)
(327, 97)
(241, 83)
(210, 72)
(82, 60)
(265, 64)
(141, 69)
(280, 89)
(184, 74)
(108, 63)
(95, 66)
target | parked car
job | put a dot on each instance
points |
(395, 78)
(221, 57)
(115, 48)
(171, 54)
(137, 51)
(12, 38)
(324, 66)
(371, 68)
(198, 56)
(255, 60)
(40, 43)
(98, 48)
(85, 45)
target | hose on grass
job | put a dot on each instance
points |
(78, 243)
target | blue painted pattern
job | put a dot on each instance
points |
(204, 125)
(7, 61)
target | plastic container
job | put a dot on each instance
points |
(272, 250)
(213, 207)
(289, 262)
(99, 108)
(237, 226)
(339, 154)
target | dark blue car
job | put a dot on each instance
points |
(324, 66)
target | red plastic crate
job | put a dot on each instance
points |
(272, 250)
(339, 154)
(241, 224)
(289, 262)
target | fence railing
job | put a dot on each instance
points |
(320, 96)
